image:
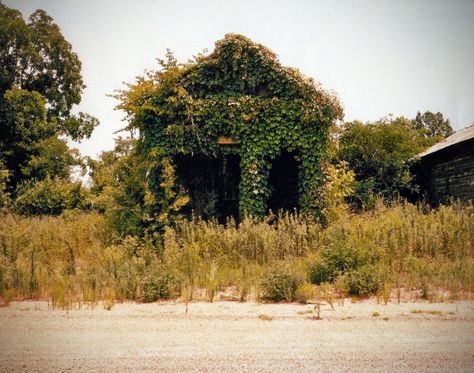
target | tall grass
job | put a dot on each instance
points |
(403, 248)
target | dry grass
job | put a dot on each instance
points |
(416, 253)
(430, 312)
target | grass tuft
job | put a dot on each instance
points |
(430, 312)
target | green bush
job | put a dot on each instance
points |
(336, 260)
(278, 285)
(159, 284)
(363, 282)
(321, 271)
(49, 197)
(304, 293)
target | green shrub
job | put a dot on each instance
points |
(49, 197)
(363, 282)
(304, 293)
(279, 284)
(335, 260)
(159, 284)
(321, 271)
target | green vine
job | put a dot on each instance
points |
(241, 91)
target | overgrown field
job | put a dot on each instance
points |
(390, 252)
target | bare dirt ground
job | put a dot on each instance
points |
(238, 337)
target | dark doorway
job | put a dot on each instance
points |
(212, 185)
(283, 183)
(228, 204)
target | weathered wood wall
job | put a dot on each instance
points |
(448, 173)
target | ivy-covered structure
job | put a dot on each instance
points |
(235, 130)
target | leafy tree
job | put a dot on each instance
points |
(36, 57)
(118, 188)
(22, 127)
(432, 125)
(378, 153)
(40, 82)
(52, 156)
(49, 197)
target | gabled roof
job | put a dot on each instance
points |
(456, 138)
(240, 67)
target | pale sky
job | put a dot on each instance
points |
(380, 57)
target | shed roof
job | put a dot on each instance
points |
(456, 138)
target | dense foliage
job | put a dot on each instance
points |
(118, 188)
(239, 91)
(40, 82)
(380, 154)
(49, 197)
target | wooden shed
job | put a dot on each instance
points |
(446, 170)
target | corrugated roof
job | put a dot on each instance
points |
(456, 138)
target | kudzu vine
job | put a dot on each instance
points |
(241, 91)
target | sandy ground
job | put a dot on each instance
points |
(238, 337)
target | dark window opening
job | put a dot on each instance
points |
(283, 183)
(212, 185)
